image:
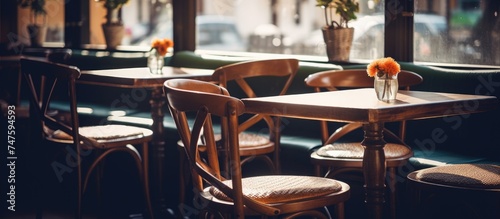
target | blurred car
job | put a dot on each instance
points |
(368, 40)
(212, 33)
(218, 33)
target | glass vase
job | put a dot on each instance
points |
(155, 62)
(386, 87)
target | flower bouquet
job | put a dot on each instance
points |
(161, 45)
(385, 71)
(159, 48)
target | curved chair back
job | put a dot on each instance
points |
(51, 74)
(242, 74)
(59, 55)
(356, 78)
(242, 71)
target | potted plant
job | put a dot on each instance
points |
(113, 28)
(36, 29)
(338, 36)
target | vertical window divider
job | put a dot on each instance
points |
(398, 40)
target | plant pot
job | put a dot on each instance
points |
(113, 34)
(37, 34)
(338, 43)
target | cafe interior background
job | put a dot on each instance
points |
(460, 34)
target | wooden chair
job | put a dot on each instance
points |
(340, 156)
(86, 142)
(253, 145)
(269, 195)
(258, 145)
(472, 191)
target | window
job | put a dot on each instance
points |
(429, 38)
(215, 33)
(152, 19)
(452, 32)
(461, 32)
(53, 22)
(289, 26)
(143, 21)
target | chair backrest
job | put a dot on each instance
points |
(333, 80)
(242, 71)
(207, 100)
(355, 78)
(43, 79)
(59, 55)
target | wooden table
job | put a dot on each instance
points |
(142, 78)
(361, 105)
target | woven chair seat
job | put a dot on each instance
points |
(482, 176)
(249, 139)
(355, 150)
(104, 132)
(282, 188)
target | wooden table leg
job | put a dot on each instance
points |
(158, 152)
(374, 169)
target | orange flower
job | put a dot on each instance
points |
(161, 45)
(384, 66)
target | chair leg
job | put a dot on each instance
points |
(317, 170)
(99, 175)
(392, 192)
(41, 185)
(415, 199)
(94, 164)
(141, 164)
(339, 210)
(80, 189)
(145, 169)
(182, 179)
